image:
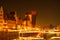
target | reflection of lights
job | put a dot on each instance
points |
(1, 28)
(14, 39)
(54, 37)
(29, 38)
(54, 31)
(13, 30)
(29, 31)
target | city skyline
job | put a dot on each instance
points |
(48, 11)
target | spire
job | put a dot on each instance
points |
(1, 16)
(1, 8)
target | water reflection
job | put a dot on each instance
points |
(27, 36)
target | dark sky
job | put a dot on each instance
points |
(48, 10)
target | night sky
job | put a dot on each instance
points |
(48, 10)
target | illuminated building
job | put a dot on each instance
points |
(11, 21)
(26, 27)
(16, 18)
(1, 17)
(20, 21)
(28, 19)
(34, 14)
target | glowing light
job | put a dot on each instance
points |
(54, 37)
(29, 38)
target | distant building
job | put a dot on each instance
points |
(11, 20)
(30, 18)
(11, 24)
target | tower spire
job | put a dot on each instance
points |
(1, 17)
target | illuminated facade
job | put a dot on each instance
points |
(28, 19)
(1, 17)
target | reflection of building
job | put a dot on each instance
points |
(1, 17)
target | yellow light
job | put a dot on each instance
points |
(13, 27)
(6, 27)
(30, 38)
(54, 37)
